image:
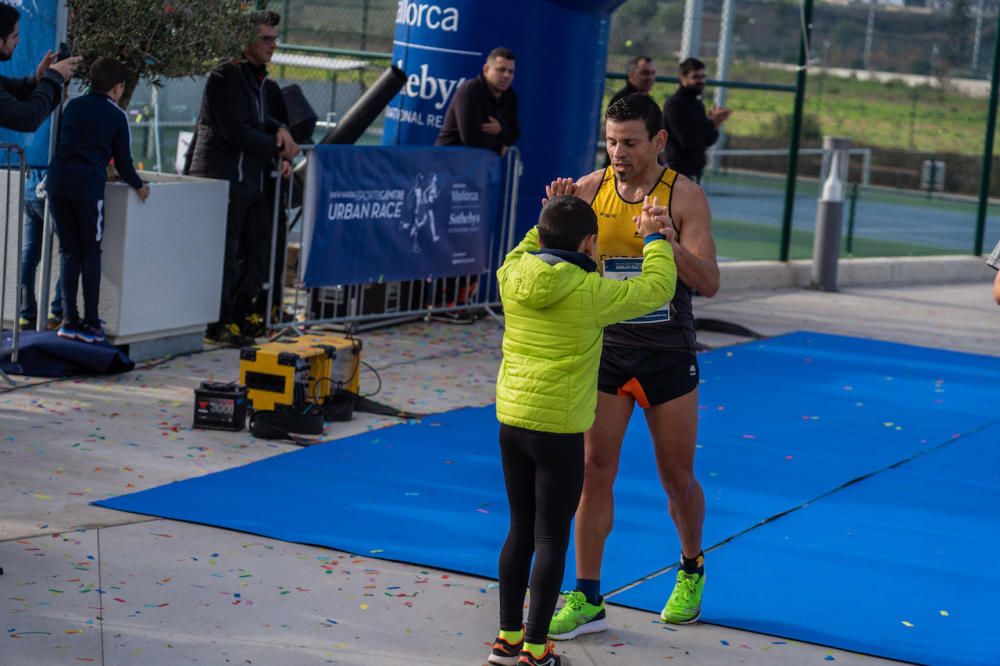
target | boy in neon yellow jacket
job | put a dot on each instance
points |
(556, 306)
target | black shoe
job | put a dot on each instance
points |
(252, 326)
(236, 340)
(460, 317)
(228, 335)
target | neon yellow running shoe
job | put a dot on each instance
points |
(684, 604)
(577, 617)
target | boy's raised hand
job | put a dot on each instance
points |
(654, 219)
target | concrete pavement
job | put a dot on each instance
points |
(176, 593)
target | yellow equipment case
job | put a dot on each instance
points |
(286, 375)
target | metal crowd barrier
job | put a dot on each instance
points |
(356, 307)
(13, 230)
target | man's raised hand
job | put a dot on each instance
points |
(559, 187)
(66, 67)
(43, 66)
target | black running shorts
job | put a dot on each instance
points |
(651, 376)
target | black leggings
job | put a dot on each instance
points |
(544, 477)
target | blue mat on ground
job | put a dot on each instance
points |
(45, 354)
(784, 421)
(902, 565)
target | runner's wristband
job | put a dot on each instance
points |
(653, 237)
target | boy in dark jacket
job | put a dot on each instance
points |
(94, 129)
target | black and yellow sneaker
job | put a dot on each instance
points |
(253, 326)
(228, 335)
(504, 653)
(547, 658)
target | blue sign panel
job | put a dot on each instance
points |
(38, 35)
(400, 212)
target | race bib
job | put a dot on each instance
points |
(627, 268)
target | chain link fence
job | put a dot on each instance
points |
(907, 82)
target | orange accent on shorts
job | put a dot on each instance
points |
(633, 388)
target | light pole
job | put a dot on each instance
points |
(976, 40)
(869, 30)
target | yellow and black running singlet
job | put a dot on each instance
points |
(619, 248)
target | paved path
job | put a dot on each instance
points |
(176, 593)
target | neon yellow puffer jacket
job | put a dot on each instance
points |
(555, 314)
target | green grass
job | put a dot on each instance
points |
(869, 113)
(741, 240)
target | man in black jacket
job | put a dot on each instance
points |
(690, 130)
(641, 75)
(483, 112)
(239, 139)
(26, 102)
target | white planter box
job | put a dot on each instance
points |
(161, 269)
(161, 266)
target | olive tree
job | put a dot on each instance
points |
(158, 39)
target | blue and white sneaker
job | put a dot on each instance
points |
(90, 332)
(69, 329)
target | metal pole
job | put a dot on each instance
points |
(793, 148)
(722, 71)
(275, 221)
(691, 37)
(364, 26)
(48, 231)
(977, 39)
(156, 128)
(850, 219)
(286, 10)
(829, 217)
(991, 121)
(866, 58)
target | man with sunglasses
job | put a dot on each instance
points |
(242, 131)
(690, 129)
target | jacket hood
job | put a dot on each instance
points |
(539, 280)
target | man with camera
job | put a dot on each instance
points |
(26, 102)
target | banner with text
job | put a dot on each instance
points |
(386, 213)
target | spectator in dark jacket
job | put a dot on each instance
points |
(640, 77)
(94, 129)
(690, 130)
(239, 139)
(26, 103)
(483, 112)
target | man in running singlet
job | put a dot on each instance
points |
(649, 361)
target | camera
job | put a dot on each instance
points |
(64, 52)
